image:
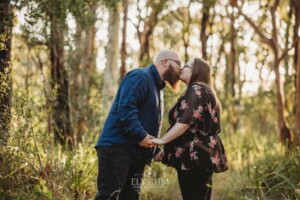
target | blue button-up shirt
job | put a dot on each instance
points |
(136, 111)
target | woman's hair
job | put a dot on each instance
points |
(201, 72)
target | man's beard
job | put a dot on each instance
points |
(172, 78)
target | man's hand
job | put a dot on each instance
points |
(159, 156)
(146, 142)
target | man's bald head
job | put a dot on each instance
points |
(167, 54)
(168, 65)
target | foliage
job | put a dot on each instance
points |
(33, 167)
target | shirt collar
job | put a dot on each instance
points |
(160, 83)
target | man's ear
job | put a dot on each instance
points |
(164, 62)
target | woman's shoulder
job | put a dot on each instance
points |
(199, 86)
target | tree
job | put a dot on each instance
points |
(183, 15)
(82, 64)
(110, 74)
(149, 22)
(296, 10)
(272, 42)
(123, 45)
(6, 16)
(205, 22)
(232, 69)
(63, 130)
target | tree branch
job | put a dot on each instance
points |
(274, 26)
(264, 39)
(287, 50)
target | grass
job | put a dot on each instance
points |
(33, 167)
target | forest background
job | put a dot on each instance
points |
(61, 62)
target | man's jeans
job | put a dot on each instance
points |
(119, 174)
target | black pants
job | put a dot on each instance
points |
(195, 184)
(119, 174)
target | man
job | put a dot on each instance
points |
(124, 146)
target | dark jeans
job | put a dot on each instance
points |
(195, 184)
(119, 174)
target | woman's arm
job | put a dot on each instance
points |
(177, 130)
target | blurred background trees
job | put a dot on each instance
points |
(61, 62)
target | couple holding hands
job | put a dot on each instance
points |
(191, 145)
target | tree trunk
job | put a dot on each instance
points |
(285, 135)
(123, 46)
(63, 130)
(232, 76)
(296, 6)
(6, 16)
(111, 70)
(297, 118)
(83, 67)
(149, 25)
(203, 34)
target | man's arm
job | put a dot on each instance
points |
(133, 93)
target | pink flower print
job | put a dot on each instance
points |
(196, 87)
(215, 120)
(215, 160)
(209, 107)
(203, 133)
(191, 144)
(178, 152)
(193, 155)
(175, 114)
(169, 156)
(183, 105)
(197, 115)
(193, 129)
(183, 167)
(213, 142)
(198, 92)
(200, 109)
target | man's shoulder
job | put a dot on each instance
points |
(140, 73)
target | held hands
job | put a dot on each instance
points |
(158, 141)
(149, 141)
(146, 142)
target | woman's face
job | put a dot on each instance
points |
(186, 72)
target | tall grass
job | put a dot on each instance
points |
(259, 169)
(33, 167)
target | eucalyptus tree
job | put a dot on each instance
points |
(51, 17)
(6, 16)
(110, 83)
(183, 15)
(82, 63)
(272, 41)
(124, 41)
(296, 11)
(145, 26)
(206, 23)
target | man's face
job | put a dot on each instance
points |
(172, 74)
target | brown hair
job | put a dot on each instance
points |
(201, 72)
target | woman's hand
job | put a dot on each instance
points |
(158, 141)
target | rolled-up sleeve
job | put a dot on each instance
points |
(132, 96)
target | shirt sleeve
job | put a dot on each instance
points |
(133, 93)
(190, 109)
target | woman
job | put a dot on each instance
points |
(193, 146)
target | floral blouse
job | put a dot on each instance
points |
(200, 146)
